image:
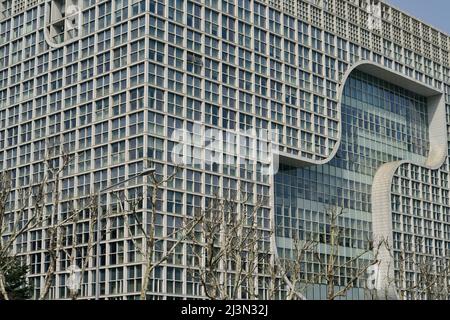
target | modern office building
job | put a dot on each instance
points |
(357, 91)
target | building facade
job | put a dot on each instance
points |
(356, 91)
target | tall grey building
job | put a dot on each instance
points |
(357, 92)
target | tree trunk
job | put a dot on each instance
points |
(2, 287)
(145, 282)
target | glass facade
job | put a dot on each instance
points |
(381, 123)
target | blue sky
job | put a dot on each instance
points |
(434, 12)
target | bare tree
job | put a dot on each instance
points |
(78, 256)
(228, 248)
(273, 282)
(144, 236)
(15, 222)
(325, 251)
(55, 223)
(11, 218)
(433, 278)
(332, 261)
(417, 275)
(36, 207)
(292, 267)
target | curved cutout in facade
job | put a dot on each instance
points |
(435, 98)
(381, 189)
(435, 157)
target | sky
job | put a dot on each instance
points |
(433, 12)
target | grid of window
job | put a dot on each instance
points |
(112, 92)
(377, 128)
